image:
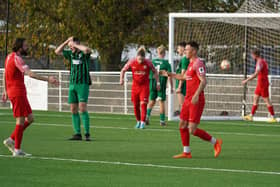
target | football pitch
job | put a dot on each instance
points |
(120, 155)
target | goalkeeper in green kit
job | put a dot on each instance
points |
(160, 64)
(79, 57)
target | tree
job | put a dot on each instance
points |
(105, 25)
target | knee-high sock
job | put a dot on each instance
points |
(18, 135)
(271, 110)
(76, 121)
(202, 134)
(85, 119)
(185, 136)
(162, 117)
(137, 110)
(26, 124)
(143, 112)
(149, 111)
(254, 108)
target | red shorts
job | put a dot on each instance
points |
(21, 106)
(262, 91)
(140, 93)
(192, 113)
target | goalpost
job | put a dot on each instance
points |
(228, 36)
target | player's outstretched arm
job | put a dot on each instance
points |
(4, 94)
(60, 48)
(49, 79)
(172, 75)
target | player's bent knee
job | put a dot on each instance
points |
(192, 129)
(183, 125)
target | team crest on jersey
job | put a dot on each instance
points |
(201, 70)
(145, 67)
(80, 55)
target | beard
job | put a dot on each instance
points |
(23, 52)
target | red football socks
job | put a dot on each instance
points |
(143, 111)
(254, 108)
(271, 110)
(137, 111)
(185, 136)
(18, 135)
(202, 134)
(26, 124)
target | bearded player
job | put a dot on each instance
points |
(194, 102)
(140, 68)
(262, 86)
(15, 90)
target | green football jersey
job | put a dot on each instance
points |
(79, 72)
(160, 64)
(183, 65)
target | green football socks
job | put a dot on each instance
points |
(162, 117)
(76, 123)
(85, 118)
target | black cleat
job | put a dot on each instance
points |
(147, 121)
(163, 124)
(76, 137)
(87, 137)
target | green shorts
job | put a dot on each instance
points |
(183, 88)
(78, 93)
(154, 93)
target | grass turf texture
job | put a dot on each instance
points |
(125, 153)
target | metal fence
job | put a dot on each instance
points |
(223, 93)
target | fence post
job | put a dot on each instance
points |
(269, 90)
(125, 93)
(60, 92)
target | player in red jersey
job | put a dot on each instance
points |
(140, 68)
(262, 86)
(15, 90)
(193, 106)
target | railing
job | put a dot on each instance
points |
(223, 93)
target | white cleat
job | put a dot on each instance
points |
(10, 144)
(20, 153)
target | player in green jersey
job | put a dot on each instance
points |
(79, 58)
(181, 69)
(160, 64)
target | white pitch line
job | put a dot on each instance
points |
(150, 165)
(133, 119)
(155, 130)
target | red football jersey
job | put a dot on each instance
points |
(14, 75)
(262, 68)
(140, 72)
(196, 68)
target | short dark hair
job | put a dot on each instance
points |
(194, 45)
(256, 52)
(18, 43)
(75, 39)
(182, 44)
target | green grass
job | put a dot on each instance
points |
(247, 147)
